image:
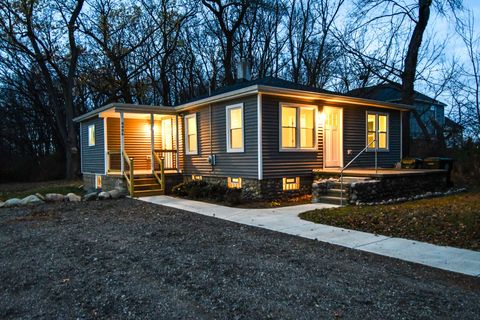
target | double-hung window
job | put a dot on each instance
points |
(191, 146)
(298, 127)
(235, 141)
(377, 131)
(91, 135)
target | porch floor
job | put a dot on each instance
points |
(371, 172)
(139, 172)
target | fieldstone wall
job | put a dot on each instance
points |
(108, 182)
(395, 187)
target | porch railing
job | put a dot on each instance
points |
(169, 156)
(350, 162)
(129, 173)
(160, 178)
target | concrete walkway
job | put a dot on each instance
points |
(286, 220)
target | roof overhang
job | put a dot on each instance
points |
(126, 108)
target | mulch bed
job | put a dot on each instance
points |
(128, 259)
(451, 221)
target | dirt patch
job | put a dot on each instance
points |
(130, 259)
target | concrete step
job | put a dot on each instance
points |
(336, 192)
(330, 200)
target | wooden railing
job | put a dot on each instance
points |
(114, 160)
(129, 174)
(161, 178)
(170, 159)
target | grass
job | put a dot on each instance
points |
(21, 190)
(451, 220)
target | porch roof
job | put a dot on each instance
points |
(127, 108)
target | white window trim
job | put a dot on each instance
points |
(187, 147)
(298, 106)
(227, 117)
(377, 113)
(94, 135)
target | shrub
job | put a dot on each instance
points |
(199, 189)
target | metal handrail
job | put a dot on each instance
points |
(350, 162)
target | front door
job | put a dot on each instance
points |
(333, 137)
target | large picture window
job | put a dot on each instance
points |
(377, 131)
(298, 127)
(235, 141)
(191, 146)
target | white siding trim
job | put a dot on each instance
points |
(259, 136)
(122, 143)
(227, 117)
(81, 148)
(401, 135)
(105, 147)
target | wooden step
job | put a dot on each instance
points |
(148, 186)
(146, 193)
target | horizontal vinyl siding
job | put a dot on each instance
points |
(278, 164)
(93, 157)
(242, 164)
(354, 137)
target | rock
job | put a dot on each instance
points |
(39, 196)
(103, 195)
(72, 197)
(54, 197)
(13, 202)
(90, 196)
(2, 204)
(31, 199)
(114, 194)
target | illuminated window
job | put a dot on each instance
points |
(291, 183)
(298, 125)
(235, 128)
(377, 131)
(91, 135)
(196, 178)
(98, 182)
(234, 182)
(191, 134)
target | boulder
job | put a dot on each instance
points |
(13, 202)
(90, 196)
(72, 197)
(114, 194)
(103, 195)
(54, 197)
(31, 199)
(123, 191)
(39, 196)
(2, 204)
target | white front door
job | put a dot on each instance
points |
(333, 137)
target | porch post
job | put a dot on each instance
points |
(177, 160)
(152, 141)
(122, 143)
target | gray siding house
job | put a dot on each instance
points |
(266, 136)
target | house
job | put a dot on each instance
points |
(266, 136)
(431, 111)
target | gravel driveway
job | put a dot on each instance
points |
(130, 259)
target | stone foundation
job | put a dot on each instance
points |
(108, 182)
(266, 189)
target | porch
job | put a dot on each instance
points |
(141, 146)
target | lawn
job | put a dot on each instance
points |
(21, 190)
(452, 220)
(127, 259)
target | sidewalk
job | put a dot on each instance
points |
(286, 220)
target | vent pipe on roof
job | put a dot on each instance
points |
(243, 70)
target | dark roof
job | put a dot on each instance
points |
(267, 81)
(452, 124)
(388, 92)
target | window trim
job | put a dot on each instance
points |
(227, 120)
(377, 131)
(187, 146)
(297, 148)
(90, 137)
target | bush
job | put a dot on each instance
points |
(199, 189)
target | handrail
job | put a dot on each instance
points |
(350, 162)
(161, 179)
(130, 181)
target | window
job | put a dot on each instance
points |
(298, 127)
(235, 128)
(234, 182)
(196, 178)
(377, 131)
(91, 135)
(291, 183)
(191, 146)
